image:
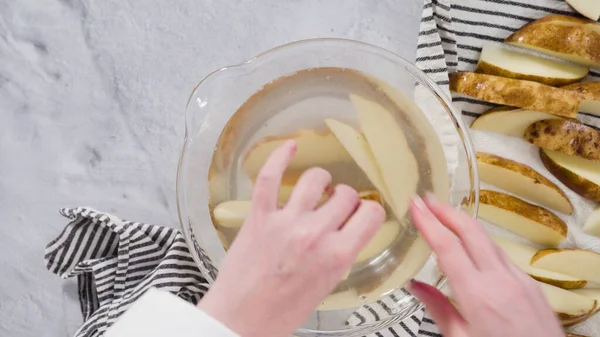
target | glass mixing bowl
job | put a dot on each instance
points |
(211, 124)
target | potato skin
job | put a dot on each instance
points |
(570, 137)
(578, 184)
(523, 208)
(550, 33)
(586, 90)
(519, 93)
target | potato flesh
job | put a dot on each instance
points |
(521, 255)
(511, 123)
(525, 66)
(523, 181)
(396, 162)
(575, 262)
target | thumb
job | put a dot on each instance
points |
(445, 315)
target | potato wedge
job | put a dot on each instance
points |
(561, 36)
(522, 180)
(508, 120)
(588, 8)
(358, 148)
(584, 264)
(501, 61)
(592, 223)
(521, 255)
(313, 149)
(570, 307)
(570, 137)
(580, 175)
(589, 92)
(519, 93)
(529, 221)
(400, 172)
(233, 213)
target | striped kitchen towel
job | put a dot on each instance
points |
(116, 261)
(451, 36)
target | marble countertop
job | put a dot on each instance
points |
(92, 95)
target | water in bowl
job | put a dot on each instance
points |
(295, 106)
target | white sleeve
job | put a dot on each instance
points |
(161, 314)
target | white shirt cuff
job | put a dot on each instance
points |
(161, 314)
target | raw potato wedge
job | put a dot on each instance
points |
(313, 149)
(500, 61)
(579, 263)
(570, 137)
(590, 293)
(521, 255)
(522, 180)
(529, 221)
(358, 148)
(518, 93)
(233, 213)
(578, 174)
(589, 93)
(508, 120)
(592, 223)
(561, 36)
(588, 8)
(386, 139)
(570, 307)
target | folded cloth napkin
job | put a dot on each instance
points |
(450, 40)
(116, 261)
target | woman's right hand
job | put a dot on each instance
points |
(494, 297)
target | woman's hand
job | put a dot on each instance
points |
(494, 297)
(284, 261)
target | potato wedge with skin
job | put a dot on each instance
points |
(589, 92)
(508, 120)
(233, 213)
(584, 264)
(522, 218)
(593, 293)
(501, 61)
(522, 180)
(588, 8)
(518, 93)
(399, 172)
(570, 307)
(313, 149)
(592, 223)
(570, 137)
(521, 255)
(561, 36)
(580, 175)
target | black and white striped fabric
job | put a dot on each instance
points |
(453, 32)
(116, 261)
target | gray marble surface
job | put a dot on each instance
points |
(92, 95)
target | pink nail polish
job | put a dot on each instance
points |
(418, 203)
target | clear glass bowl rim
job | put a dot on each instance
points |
(423, 79)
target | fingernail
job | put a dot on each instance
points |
(431, 199)
(292, 145)
(415, 287)
(418, 203)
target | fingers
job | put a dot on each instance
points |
(445, 315)
(478, 244)
(363, 224)
(452, 257)
(266, 188)
(338, 208)
(309, 190)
